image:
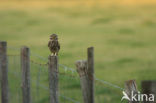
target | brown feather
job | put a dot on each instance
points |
(54, 45)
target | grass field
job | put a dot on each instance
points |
(122, 32)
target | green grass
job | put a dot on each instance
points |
(123, 37)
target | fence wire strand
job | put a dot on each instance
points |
(47, 89)
(40, 68)
(73, 70)
(67, 71)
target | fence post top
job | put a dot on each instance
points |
(130, 82)
(149, 81)
(3, 43)
(81, 63)
(24, 48)
(81, 66)
(130, 86)
(91, 47)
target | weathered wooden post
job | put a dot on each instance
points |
(53, 79)
(149, 87)
(25, 67)
(131, 88)
(4, 72)
(85, 70)
(90, 71)
(84, 80)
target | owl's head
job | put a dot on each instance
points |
(53, 37)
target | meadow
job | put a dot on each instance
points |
(123, 34)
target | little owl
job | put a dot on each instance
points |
(53, 44)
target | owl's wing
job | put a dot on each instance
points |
(49, 44)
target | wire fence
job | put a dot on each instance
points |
(74, 71)
(69, 83)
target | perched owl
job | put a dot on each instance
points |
(53, 44)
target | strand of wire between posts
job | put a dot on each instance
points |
(97, 79)
(73, 70)
(66, 68)
(46, 88)
(101, 81)
(70, 99)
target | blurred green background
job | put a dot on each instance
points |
(123, 33)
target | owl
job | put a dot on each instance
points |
(53, 44)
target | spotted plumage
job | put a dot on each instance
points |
(53, 44)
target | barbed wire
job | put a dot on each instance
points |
(73, 70)
(41, 57)
(40, 64)
(13, 55)
(71, 75)
(46, 88)
(13, 48)
(70, 99)
(96, 79)
(108, 83)
(65, 73)
(67, 98)
(66, 68)
(61, 65)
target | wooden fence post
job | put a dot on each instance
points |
(149, 87)
(4, 72)
(53, 79)
(25, 66)
(82, 71)
(90, 72)
(85, 70)
(130, 86)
